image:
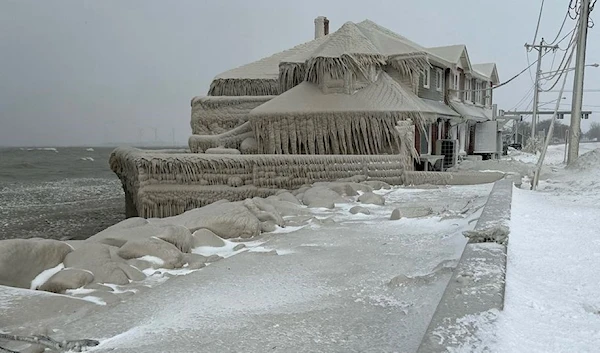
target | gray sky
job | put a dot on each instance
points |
(84, 72)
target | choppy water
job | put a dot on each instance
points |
(62, 193)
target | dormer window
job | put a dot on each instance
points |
(439, 80)
(468, 92)
(478, 92)
(456, 84)
(427, 77)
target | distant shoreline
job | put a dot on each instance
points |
(99, 146)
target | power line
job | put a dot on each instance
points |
(537, 28)
(517, 75)
(524, 98)
(585, 90)
(573, 6)
(562, 66)
(529, 66)
(562, 26)
(503, 83)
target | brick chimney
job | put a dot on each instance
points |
(321, 26)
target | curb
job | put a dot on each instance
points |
(477, 284)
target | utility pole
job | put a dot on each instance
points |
(575, 129)
(541, 48)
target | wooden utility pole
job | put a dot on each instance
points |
(541, 48)
(575, 129)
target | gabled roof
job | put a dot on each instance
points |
(347, 40)
(455, 54)
(356, 45)
(387, 41)
(488, 70)
(268, 68)
(384, 40)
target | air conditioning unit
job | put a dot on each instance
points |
(448, 148)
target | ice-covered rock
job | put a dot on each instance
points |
(69, 278)
(226, 219)
(377, 184)
(167, 252)
(205, 237)
(321, 196)
(371, 199)
(21, 260)
(179, 236)
(360, 209)
(97, 259)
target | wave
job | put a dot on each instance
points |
(51, 149)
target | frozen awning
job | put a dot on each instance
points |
(471, 112)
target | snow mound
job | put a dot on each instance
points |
(587, 161)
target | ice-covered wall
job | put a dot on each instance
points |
(216, 115)
(164, 184)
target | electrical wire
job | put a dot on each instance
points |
(562, 72)
(573, 7)
(537, 28)
(515, 76)
(525, 97)
(561, 69)
(562, 26)
(529, 65)
(551, 67)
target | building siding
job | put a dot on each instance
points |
(431, 92)
(403, 79)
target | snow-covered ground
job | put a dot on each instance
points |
(345, 282)
(361, 282)
(552, 280)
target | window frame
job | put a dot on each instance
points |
(427, 77)
(456, 84)
(439, 80)
(468, 90)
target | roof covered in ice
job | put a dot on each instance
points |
(268, 68)
(455, 54)
(384, 95)
(363, 37)
(488, 70)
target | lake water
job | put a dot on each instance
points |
(61, 193)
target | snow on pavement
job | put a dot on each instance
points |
(552, 301)
(553, 282)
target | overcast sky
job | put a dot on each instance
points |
(86, 72)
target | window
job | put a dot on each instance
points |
(427, 77)
(456, 84)
(478, 92)
(468, 92)
(439, 80)
(488, 95)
